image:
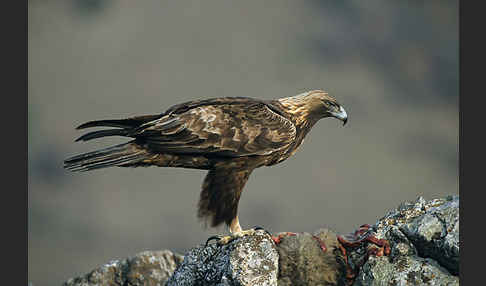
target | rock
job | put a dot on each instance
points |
(146, 268)
(436, 233)
(424, 240)
(406, 270)
(303, 260)
(424, 249)
(250, 260)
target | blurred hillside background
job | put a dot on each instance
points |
(393, 65)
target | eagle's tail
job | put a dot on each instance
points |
(124, 126)
(122, 155)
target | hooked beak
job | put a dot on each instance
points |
(341, 115)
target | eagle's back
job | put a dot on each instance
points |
(225, 127)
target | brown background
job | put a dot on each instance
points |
(393, 65)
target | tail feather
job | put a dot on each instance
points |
(123, 155)
(102, 133)
(119, 155)
(121, 123)
(126, 126)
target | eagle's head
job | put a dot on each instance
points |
(315, 104)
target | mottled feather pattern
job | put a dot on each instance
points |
(226, 129)
(229, 136)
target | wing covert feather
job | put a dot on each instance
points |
(236, 129)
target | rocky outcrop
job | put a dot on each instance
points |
(424, 240)
(251, 260)
(146, 268)
(422, 249)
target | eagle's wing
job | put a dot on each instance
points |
(225, 129)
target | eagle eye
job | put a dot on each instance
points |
(332, 104)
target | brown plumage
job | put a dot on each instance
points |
(228, 136)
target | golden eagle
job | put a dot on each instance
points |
(229, 137)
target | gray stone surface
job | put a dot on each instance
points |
(424, 240)
(148, 268)
(250, 260)
(424, 250)
(405, 270)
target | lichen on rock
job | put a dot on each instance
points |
(146, 268)
(423, 238)
(250, 260)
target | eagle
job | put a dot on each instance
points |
(227, 136)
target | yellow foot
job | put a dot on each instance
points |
(222, 240)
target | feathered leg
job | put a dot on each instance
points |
(219, 200)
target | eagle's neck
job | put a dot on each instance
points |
(298, 110)
(295, 111)
(296, 107)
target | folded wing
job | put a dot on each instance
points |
(229, 129)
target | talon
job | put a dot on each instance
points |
(222, 240)
(214, 237)
(227, 239)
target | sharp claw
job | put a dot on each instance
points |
(214, 237)
(222, 240)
